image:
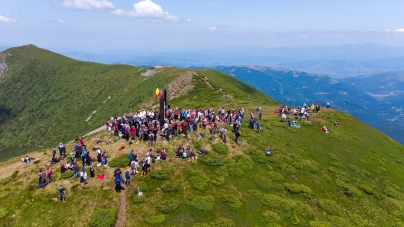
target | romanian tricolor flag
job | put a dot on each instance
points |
(158, 93)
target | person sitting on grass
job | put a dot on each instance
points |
(336, 124)
(268, 151)
(26, 159)
(324, 129)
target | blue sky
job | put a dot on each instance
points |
(92, 25)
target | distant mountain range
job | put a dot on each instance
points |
(335, 61)
(359, 96)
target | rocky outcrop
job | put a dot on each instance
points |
(3, 65)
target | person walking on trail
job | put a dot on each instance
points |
(62, 197)
(92, 171)
(238, 134)
(118, 186)
(127, 177)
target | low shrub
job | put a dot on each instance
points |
(310, 166)
(170, 187)
(120, 161)
(320, 224)
(339, 221)
(277, 177)
(329, 206)
(5, 180)
(204, 203)
(103, 218)
(283, 206)
(138, 199)
(222, 222)
(200, 225)
(294, 219)
(258, 156)
(263, 182)
(391, 192)
(211, 160)
(297, 165)
(297, 188)
(366, 188)
(270, 216)
(142, 186)
(358, 220)
(286, 168)
(218, 181)
(159, 175)
(66, 175)
(232, 200)
(198, 180)
(304, 209)
(3, 212)
(168, 206)
(220, 148)
(243, 162)
(155, 219)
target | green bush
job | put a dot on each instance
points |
(5, 180)
(220, 148)
(201, 225)
(258, 156)
(168, 206)
(329, 206)
(156, 219)
(142, 186)
(263, 182)
(277, 177)
(121, 161)
(270, 216)
(3, 212)
(391, 192)
(297, 165)
(297, 188)
(66, 175)
(218, 181)
(222, 222)
(294, 219)
(138, 199)
(339, 221)
(320, 224)
(304, 209)
(310, 166)
(103, 218)
(211, 160)
(204, 203)
(286, 168)
(159, 175)
(170, 187)
(244, 162)
(366, 188)
(232, 200)
(281, 205)
(358, 220)
(198, 180)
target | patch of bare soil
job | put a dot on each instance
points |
(122, 211)
(178, 87)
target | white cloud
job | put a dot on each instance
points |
(213, 28)
(399, 30)
(88, 4)
(147, 10)
(6, 19)
(303, 36)
(62, 21)
(189, 20)
(387, 30)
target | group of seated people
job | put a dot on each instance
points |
(26, 159)
(183, 152)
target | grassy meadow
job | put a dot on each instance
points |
(351, 176)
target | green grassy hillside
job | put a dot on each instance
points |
(351, 176)
(45, 98)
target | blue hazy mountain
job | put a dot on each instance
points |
(334, 61)
(294, 88)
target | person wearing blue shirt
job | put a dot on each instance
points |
(62, 194)
(268, 151)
